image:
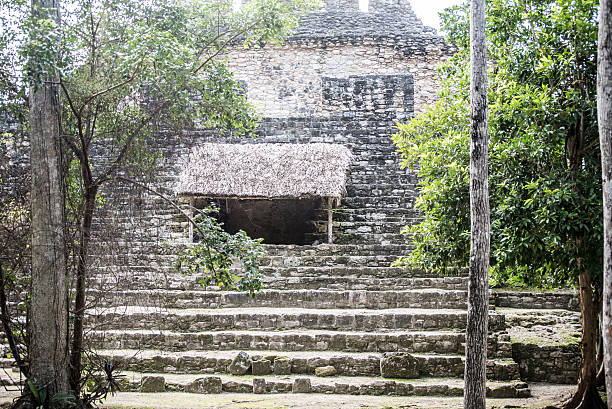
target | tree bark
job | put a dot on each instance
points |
(586, 395)
(478, 287)
(604, 112)
(49, 324)
(79, 305)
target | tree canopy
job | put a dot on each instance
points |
(544, 159)
(544, 164)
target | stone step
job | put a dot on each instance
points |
(321, 299)
(362, 190)
(392, 202)
(155, 251)
(305, 363)
(341, 271)
(330, 261)
(176, 281)
(334, 385)
(369, 226)
(528, 317)
(345, 218)
(145, 247)
(358, 228)
(276, 258)
(419, 342)
(361, 283)
(197, 319)
(341, 250)
(568, 300)
(368, 237)
(381, 185)
(373, 215)
(356, 270)
(383, 172)
(392, 181)
(396, 178)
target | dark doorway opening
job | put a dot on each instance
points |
(282, 221)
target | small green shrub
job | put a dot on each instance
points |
(217, 250)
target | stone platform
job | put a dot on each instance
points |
(183, 338)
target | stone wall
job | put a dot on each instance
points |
(548, 363)
(339, 42)
(289, 81)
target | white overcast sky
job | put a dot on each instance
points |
(427, 10)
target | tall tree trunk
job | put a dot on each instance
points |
(604, 112)
(49, 324)
(79, 304)
(478, 287)
(586, 395)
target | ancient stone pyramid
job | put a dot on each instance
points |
(336, 309)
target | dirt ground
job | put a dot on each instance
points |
(543, 395)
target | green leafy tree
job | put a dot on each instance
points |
(544, 163)
(127, 68)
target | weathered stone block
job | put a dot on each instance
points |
(209, 384)
(259, 385)
(325, 371)
(261, 367)
(237, 387)
(301, 385)
(279, 386)
(282, 366)
(152, 384)
(342, 388)
(323, 388)
(503, 391)
(399, 365)
(240, 364)
(404, 389)
(299, 365)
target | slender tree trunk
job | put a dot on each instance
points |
(478, 287)
(586, 395)
(79, 304)
(8, 328)
(49, 324)
(604, 112)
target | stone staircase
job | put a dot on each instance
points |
(335, 310)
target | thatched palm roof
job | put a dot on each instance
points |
(266, 171)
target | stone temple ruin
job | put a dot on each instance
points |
(321, 183)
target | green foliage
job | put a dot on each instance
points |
(100, 377)
(43, 45)
(129, 67)
(544, 164)
(41, 400)
(216, 251)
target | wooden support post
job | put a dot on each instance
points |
(330, 238)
